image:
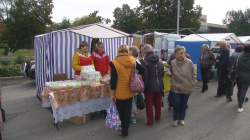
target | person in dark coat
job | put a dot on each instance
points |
(222, 66)
(206, 61)
(243, 71)
(153, 81)
(231, 82)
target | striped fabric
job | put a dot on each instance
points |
(54, 52)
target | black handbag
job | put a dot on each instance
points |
(233, 74)
(140, 102)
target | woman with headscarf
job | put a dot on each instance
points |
(153, 81)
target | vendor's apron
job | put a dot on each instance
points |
(84, 61)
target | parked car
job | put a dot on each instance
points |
(28, 69)
(215, 50)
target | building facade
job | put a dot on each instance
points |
(210, 27)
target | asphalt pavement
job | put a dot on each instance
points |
(207, 118)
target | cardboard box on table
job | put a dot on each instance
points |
(80, 120)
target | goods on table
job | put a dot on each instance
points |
(67, 84)
(89, 68)
(105, 79)
(90, 76)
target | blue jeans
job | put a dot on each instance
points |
(180, 105)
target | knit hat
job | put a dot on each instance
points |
(147, 48)
(247, 49)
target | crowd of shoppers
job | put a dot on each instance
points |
(151, 69)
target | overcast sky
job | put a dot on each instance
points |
(214, 9)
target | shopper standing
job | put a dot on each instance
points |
(222, 69)
(206, 61)
(182, 84)
(153, 81)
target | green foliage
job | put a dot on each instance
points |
(91, 18)
(26, 19)
(13, 70)
(127, 19)
(160, 14)
(238, 22)
(19, 59)
(5, 62)
(59, 26)
(5, 47)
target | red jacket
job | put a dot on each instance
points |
(101, 62)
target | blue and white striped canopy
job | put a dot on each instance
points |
(54, 51)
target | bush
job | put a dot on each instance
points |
(5, 47)
(5, 62)
(13, 70)
(19, 59)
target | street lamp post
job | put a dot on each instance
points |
(178, 16)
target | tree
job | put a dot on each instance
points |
(162, 14)
(238, 22)
(91, 18)
(126, 19)
(59, 26)
(26, 19)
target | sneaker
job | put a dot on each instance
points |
(240, 110)
(175, 123)
(182, 122)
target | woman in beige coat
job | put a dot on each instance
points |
(183, 82)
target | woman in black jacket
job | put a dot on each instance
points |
(153, 81)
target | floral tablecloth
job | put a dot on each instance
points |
(60, 98)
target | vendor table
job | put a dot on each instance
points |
(78, 101)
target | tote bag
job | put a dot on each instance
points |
(112, 118)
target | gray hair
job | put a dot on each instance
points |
(206, 46)
(223, 42)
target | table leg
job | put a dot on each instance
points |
(56, 125)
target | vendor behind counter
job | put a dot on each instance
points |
(81, 58)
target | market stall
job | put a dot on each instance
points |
(54, 50)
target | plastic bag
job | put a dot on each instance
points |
(112, 118)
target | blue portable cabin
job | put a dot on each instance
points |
(193, 44)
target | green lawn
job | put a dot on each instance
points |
(26, 56)
(23, 52)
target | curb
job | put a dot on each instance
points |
(13, 78)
